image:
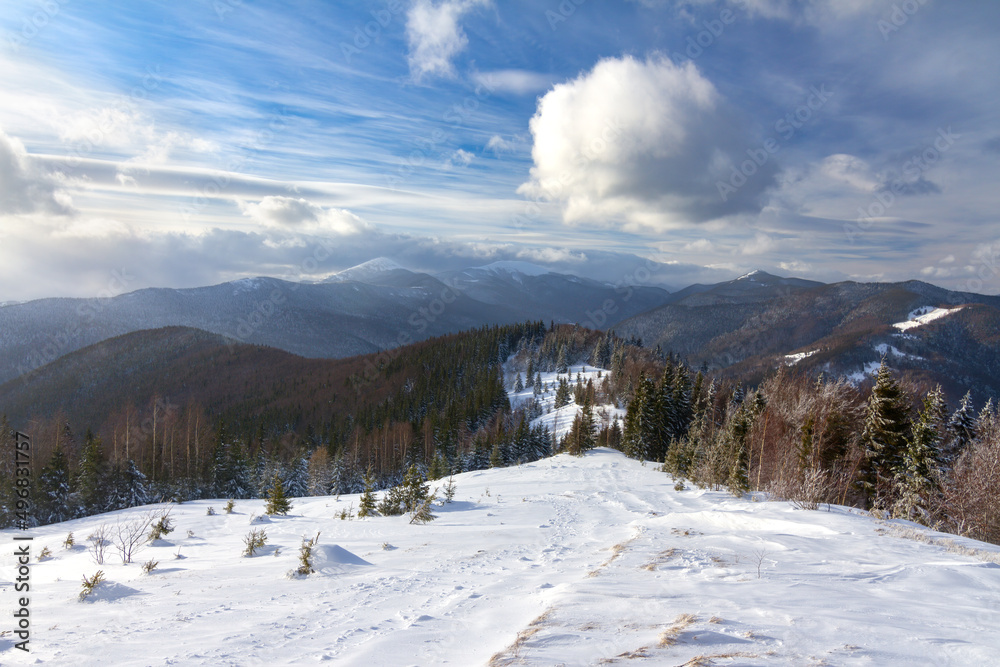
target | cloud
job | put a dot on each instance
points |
(300, 215)
(461, 158)
(498, 145)
(796, 266)
(645, 143)
(24, 188)
(515, 81)
(552, 255)
(760, 244)
(701, 245)
(435, 36)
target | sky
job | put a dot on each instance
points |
(187, 143)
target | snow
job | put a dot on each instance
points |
(574, 561)
(513, 266)
(923, 315)
(864, 374)
(246, 285)
(559, 422)
(792, 359)
(752, 276)
(884, 349)
(366, 270)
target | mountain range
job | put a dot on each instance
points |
(371, 307)
(745, 328)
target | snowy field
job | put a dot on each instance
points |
(566, 561)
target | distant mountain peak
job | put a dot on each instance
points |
(514, 266)
(367, 270)
(755, 276)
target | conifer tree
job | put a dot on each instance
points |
(297, 483)
(367, 503)
(128, 486)
(518, 385)
(884, 439)
(562, 364)
(91, 480)
(916, 477)
(961, 431)
(8, 496)
(415, 490)
(277, 499)
(563, 394)
(54, 491)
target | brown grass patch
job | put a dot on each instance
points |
(511, 654)
(670, 635)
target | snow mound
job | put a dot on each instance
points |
(332, 556)
(923, 315)
(111, 591)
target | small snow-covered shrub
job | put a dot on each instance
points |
(89, 584)
(254, 541)
(162, 526)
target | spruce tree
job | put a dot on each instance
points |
(916, 478)
(277, 499)
(54, 492)
(563, 394)
(885, 437)
(518, 385)
(562, 364)
(961, 431)
(367, 503)
(297, 483)
(91, 480)
(633, 437)
(415, 490)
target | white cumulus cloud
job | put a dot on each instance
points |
(435, 36)
(644, 143)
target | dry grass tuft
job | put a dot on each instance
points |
(670, 635)
(660, 559)
(511, 654)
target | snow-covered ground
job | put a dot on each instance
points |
(923, 315)
(792, 359)
(565, 561)
(559, 421)
(865, 373)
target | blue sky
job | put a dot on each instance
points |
(188, 143)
